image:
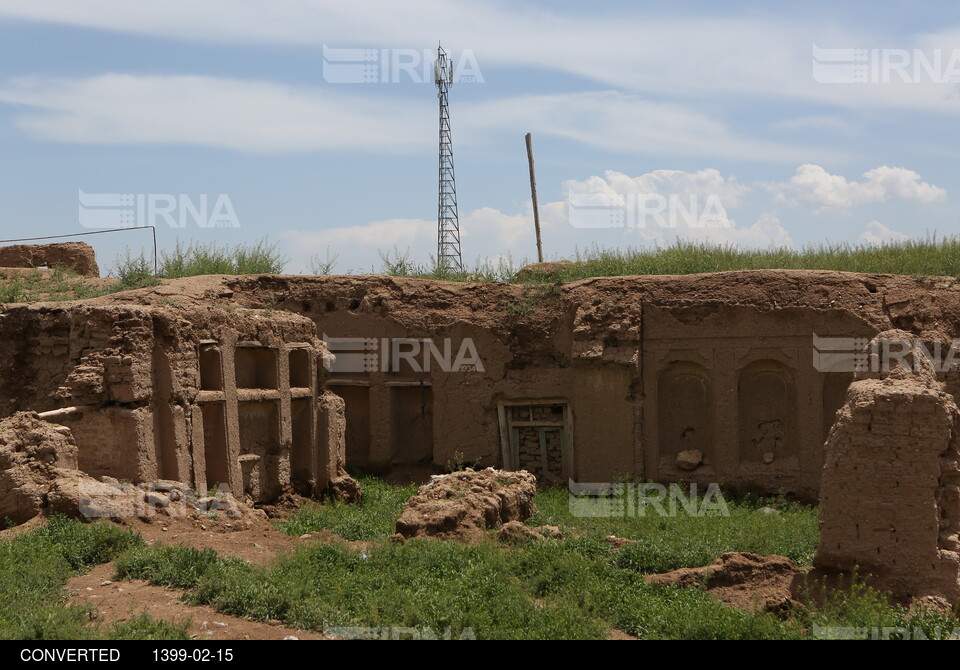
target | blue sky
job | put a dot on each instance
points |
(693, 102)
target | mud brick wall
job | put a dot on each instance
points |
(890, 500)
(645, 368)
(76, 256)
(199, 395)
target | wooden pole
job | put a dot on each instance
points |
(533, 195)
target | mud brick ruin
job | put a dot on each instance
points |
(267, 382)
(199, 395)
(76, 256)
(890, 503)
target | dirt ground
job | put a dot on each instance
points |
(250, 538)
(255, 541)
(116, 602)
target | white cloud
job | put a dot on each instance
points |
(877, 233)
(766, 232)
(209, 111)
(815, 186)
(620, 122)
(357, 249)
(820, 122)
(703, 196)
(694, 57)
(265, 117)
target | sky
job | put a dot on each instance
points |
(313, 124)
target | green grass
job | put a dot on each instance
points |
(684, 541)
(197, 258)
(145, 627)
(371, 520)
(398, 264)
(33, 569)
(132, 272)
(578, 587)
(921, 258)
(53, 285)
(165, 566)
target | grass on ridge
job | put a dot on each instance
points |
(923, 258)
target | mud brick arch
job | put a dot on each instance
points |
(685, 410)
(767, 412)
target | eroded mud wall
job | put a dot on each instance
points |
(637, 376)
(198, 395)
(76, 256)
(624, 374)
(890, 497)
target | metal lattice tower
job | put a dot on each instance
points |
(449, 258)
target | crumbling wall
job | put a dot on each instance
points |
(643, 368)
(76, 256)
(701, 378)
(204, 396)
(890, 492)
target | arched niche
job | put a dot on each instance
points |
(684, 410)
(767, 412)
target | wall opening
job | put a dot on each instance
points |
(256, 367)
(260, 448)
(302, 446)
(835, 385)
(164, 420)
(356, 400)
(215, 452)
(411, 424)
(300, 368)
(767, 413)
(211, 368)
(684, 412)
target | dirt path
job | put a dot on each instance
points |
(255, 541)
(119, 601)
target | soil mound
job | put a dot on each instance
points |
(748, 581)
(461, 505)
(516, 532)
